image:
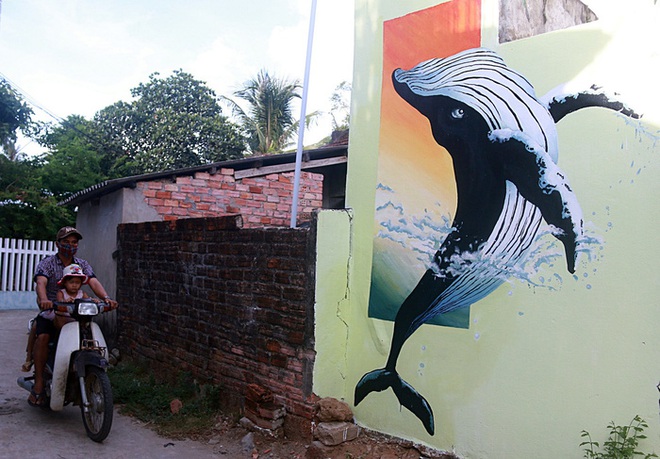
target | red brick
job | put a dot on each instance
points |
(269, 424)
(273, 346)
(335, 433)
(271, 411)
(258, 394)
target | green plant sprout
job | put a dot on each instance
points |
(622, 442)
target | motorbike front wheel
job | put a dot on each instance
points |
(97, 418)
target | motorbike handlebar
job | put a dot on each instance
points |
(69, 307)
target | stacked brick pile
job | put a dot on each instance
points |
(334, 423)
(262, 413)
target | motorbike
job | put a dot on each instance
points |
(76, 368)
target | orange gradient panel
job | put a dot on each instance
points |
(410, 162)
(405, 136)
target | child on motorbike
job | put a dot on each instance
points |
(72, 280)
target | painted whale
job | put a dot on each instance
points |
(503, 144)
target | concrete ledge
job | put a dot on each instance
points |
(18, 300)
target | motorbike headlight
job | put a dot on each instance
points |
(87, 308)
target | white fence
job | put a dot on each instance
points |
(18, 260)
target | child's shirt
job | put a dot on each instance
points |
(68, 298)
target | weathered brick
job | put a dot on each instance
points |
(335, 433)
(220, 304)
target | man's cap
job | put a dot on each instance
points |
(67, 231)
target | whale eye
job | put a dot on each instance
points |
(457, 113)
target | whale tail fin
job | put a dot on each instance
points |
(381, 379)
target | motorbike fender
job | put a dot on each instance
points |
(67, 344)
(85, 358)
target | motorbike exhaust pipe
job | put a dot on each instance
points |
(26, 382)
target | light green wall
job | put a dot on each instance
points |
(537, 366)
(332, 304)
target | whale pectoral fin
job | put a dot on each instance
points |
(560, 102)
(414, 402)
(379, 380)
(540, 181)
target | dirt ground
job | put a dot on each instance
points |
(235, 441)
(26, 431)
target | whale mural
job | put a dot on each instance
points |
(502, 140)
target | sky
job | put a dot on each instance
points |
(79, 56)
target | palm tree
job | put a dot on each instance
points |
(268, 122)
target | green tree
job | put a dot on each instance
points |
(15, 115)
(341, 106)
(27, 210)
(115, 131)
(268, 122)
(173, 123)
(72, 162)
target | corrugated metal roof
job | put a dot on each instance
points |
(251, 162)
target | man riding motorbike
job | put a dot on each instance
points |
(49, 271)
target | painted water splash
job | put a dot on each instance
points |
(642, 131)
(423, 235)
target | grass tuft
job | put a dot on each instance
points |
(141, 393)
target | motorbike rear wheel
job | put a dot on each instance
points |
(98, 417)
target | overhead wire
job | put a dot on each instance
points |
(62, 121)
(32, 102)
(27, 97)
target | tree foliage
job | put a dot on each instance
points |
(341, 106)
(72, 162)
(268, 122)
(15, 115)
(27, 210)
(173, 123)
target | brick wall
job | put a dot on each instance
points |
(262, 201)
(233, 306)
